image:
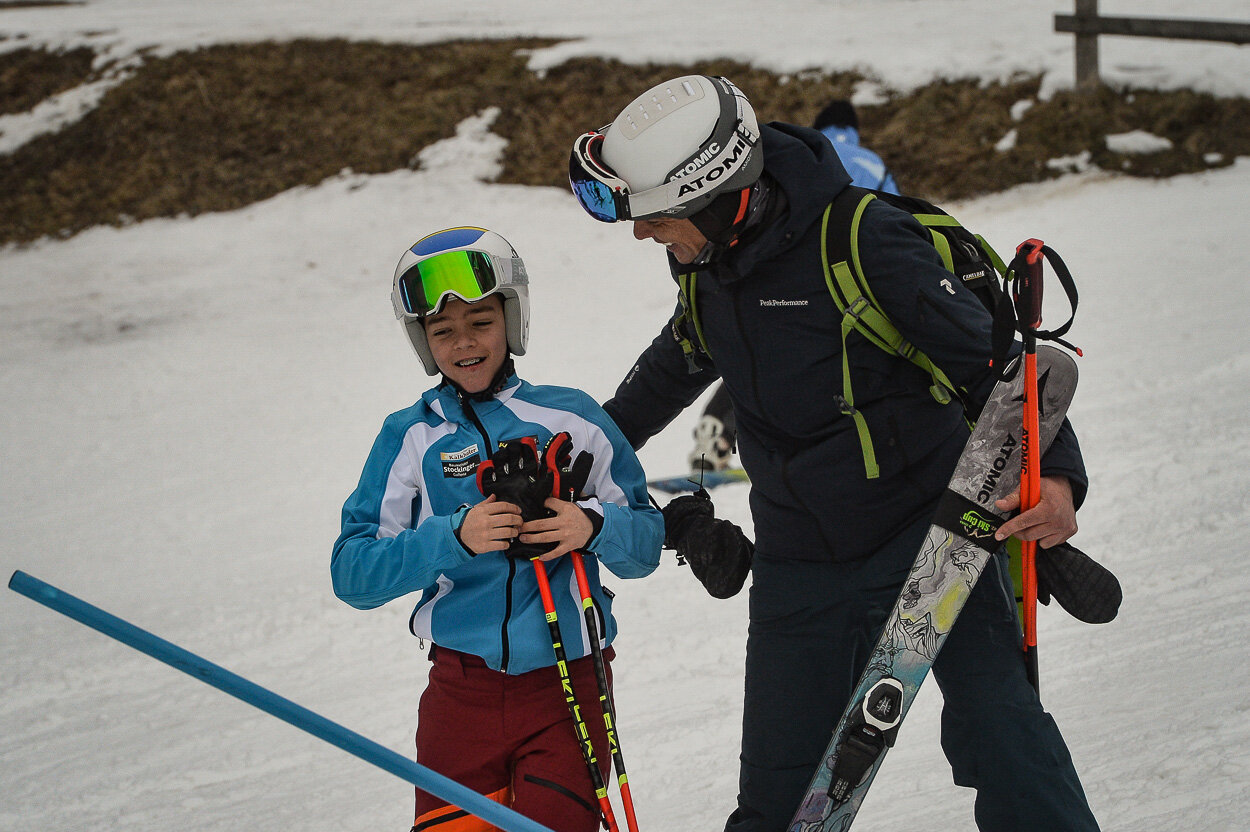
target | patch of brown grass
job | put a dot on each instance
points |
(221, 127)
(28, 76)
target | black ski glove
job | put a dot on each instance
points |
(513, 475)
(1087, 590)
(568, 475)
(718, 552)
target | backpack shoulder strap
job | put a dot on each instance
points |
(687, 322)
(844, 275)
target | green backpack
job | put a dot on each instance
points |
(971, 260)
(968, 257)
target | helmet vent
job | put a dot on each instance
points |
(651, 109)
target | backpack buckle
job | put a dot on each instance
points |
(855, 309)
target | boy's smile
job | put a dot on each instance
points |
(469, 341)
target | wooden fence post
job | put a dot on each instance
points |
(1087, 78)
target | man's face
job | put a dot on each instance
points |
(469, 341)
(680, 237)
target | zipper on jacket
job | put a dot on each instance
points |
(735, 298)
(507, 616)
(467, 406)
(470, 411)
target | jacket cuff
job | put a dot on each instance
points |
(457, 520)
(596, 521)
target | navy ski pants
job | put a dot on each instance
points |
(813, 625)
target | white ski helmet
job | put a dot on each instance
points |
(469, 263)
(669, 153)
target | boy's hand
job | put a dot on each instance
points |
(490, 526)
(569, 529)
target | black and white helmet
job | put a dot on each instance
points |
(669, 153)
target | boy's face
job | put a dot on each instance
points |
(469, 341)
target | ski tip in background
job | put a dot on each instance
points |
(693, 481)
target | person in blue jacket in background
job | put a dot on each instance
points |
(716, 432)
(493, 715)
(840, 124)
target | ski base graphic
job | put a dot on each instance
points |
(955, 550)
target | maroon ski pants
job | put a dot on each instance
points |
(510, 738)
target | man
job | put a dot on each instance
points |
(716, 432)
(738, 206)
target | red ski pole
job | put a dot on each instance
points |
(555, 456)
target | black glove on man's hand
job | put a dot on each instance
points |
(718, 552)
(680, 514)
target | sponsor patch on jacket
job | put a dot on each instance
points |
(460, 464)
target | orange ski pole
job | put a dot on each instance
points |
(1027, 296)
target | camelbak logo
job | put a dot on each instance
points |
(975, 526)
(726, 165)
(996, 470)
(698, 161)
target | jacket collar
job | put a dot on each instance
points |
(807, 174)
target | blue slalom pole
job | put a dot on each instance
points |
(366, 749)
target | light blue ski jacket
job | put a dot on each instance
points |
(866, 168)
(399, 525)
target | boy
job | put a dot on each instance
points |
(493, 715)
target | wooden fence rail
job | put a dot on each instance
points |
(1087, 25)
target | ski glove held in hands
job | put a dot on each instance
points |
(515, 474)
(568, 475)
(718, 552)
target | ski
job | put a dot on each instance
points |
(698, 479)
(956, 549)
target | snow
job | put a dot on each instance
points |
(1137, 142)
(187, 402)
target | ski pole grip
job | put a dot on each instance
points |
(1027, 293)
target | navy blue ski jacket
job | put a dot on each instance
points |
(774, 337)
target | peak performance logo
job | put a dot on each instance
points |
(776, 302)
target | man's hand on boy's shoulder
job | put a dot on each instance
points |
(570, 528)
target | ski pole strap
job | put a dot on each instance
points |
(1023, 283)
(967, 518)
